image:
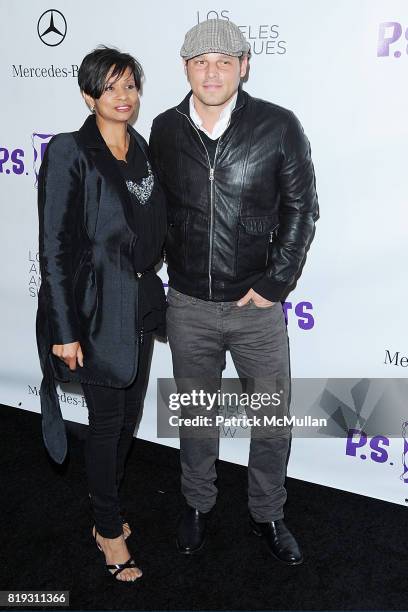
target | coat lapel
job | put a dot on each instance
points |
(91, 139)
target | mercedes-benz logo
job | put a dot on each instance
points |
(52, 28)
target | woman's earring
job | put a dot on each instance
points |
(92, 109)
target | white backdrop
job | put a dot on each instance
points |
(342, 68)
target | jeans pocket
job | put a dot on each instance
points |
(267, 307)
(176, 299)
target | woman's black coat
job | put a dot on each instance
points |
(89, 282)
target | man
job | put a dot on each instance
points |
(241, 207)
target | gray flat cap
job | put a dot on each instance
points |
(214, 36)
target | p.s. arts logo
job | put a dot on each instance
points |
(392, 39)
(18, 161)
(12, 161)
(372, 423)
(264, 38)
(373, 448)
(378, 449)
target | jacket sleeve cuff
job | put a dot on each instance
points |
(269, 289)
(64, 337)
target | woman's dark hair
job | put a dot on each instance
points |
(96, 65)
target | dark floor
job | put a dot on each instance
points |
(356, 555)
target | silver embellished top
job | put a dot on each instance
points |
(143, 188)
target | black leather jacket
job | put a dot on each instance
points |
(247, 221)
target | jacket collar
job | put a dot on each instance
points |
(90, 134)
(184, 106)
(92, 138)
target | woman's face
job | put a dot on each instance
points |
(119, 100)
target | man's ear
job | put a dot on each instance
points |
(185, 67)
(244, 66)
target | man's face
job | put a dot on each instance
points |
(215, 77)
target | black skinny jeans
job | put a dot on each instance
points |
(112, 419)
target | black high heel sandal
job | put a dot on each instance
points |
(130, 563)
(119, 567)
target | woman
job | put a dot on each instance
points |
(102, 226)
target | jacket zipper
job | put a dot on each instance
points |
(212, 190)
(211, 179)
(271, 235)
(268, 247)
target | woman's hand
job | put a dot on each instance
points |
(69, 354)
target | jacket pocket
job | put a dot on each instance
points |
(255, 237)
(175, 245)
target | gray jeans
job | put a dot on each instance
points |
(200, 332)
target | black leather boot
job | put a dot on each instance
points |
(280, 541)
(191, 530)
